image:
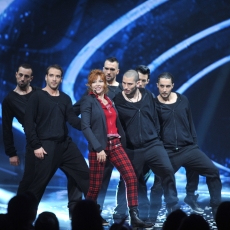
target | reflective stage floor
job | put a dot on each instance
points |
(55, 199)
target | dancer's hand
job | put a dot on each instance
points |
(40, 153)
(14, 160)
(101, 156)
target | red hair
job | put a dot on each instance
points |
(93, 75)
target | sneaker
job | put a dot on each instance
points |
(104, 222)
(192, 202)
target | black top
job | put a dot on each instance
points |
(139, 119)
(177, 127)
(13, 105)
(46, 116)
(114, 90)
(93, 124)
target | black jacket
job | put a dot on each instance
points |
(177, 127)
(93, 124)
(139, 120)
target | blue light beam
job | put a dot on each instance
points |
(90, 48)
(202, 73)
(186, 43)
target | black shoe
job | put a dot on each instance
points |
(104, 222)
(192, 202)
(135, 221)
(172, 208)
(151, 220)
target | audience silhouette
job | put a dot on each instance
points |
(223, 216)
(173, 220)
(21, 213)
(86, 216)
(194, 222)
(47, 221)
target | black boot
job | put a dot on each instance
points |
(134, 219)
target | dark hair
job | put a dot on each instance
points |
(143, 69)
(47, 221)
(26, 66)
(22, 208)
(86, 216)
(194, 221)
(166, 75)
(55, 66)
(173, 220)
(112, 59)
(132, 73)
(93, 76)
(223, 216)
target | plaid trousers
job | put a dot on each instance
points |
(118, 157)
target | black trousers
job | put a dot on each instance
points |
(156, 191)
(156, 157)
(195, 161)
(64, 155)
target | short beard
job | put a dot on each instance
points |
(131, 95)
(23, 87)
(166, 98)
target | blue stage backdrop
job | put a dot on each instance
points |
(188, 38)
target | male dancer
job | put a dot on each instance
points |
(14, 105)
(192, 176)
(180, 140)
(137, 113)
(144, 205)
(47, 135)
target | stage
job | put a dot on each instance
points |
(55, 199)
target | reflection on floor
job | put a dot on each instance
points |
(55, 200)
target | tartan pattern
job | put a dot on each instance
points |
(117, 156)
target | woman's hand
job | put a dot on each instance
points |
(101, 156)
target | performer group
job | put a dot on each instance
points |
(126, 127)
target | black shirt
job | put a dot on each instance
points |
(46, 118)
(13, 105)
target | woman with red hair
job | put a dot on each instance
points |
(103, 131)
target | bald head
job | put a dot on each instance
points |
(132, 74)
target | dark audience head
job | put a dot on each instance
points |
(194, 222)
(22, 209)
(223, 216)
(47, 221)
(173, 220)
(86, 216)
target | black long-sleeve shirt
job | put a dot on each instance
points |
(46, 117)
(14, 105)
